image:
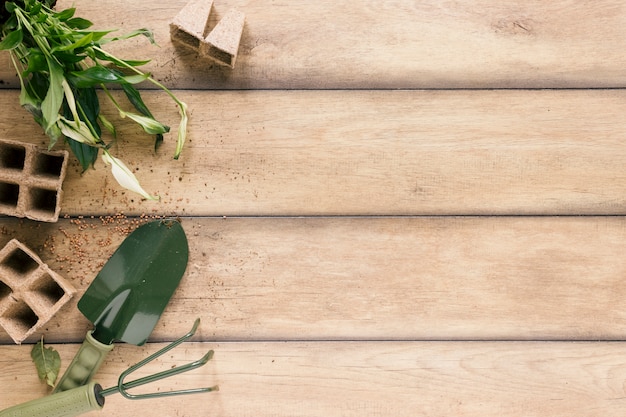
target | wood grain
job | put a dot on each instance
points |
(395, 44)
(365, 153)
(373, 230)
(496, 278)
(356, 379)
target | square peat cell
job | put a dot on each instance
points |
(18, 320)
(12, 156)
(48, 165)
(43, 200)
(9, 194)
(5, 291)
(220, 55)
(47, 290)
(19, 262)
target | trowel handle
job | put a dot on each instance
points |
(63, 404)
(84, 365)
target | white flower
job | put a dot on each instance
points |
(124, 176)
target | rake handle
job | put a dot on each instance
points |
(63, 404)
(85, 364)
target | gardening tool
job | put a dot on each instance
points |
(127, 297)
(90, 397)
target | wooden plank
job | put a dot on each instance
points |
(364, 153)
(398, 44)
(368, 278)
(356, 379)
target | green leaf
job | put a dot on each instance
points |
(35, 9)
(136, 79)
(134, 97)
(69, 58)
(108, 125)
(86, 154)
(40, 18)
(12, 40)
(139, 32)
(99, 74)
(97, 34)
(38, 85)
(30, 103)
(78, 43)
(36, 62)
(66, 14)
(158, 141)
(78, 23)
(88, 102)
(54, 133)
(94, 76)
(131, 62)
(51, 104)
(11, 23)
(47, 361)
(149, 125)
(10, 6)
(103, 56)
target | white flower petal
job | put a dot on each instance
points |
(125, 177)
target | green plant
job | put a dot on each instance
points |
(60, 63)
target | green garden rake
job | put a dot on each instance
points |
(91, 396)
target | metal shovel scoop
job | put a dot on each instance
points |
(129, 294)
(91, 396)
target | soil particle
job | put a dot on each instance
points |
(84, 243)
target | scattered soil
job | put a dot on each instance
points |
(75, 247)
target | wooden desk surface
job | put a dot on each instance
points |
(393, 208)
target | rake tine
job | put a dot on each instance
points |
(166, 374)
(123, 387)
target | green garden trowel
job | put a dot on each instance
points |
(129, 294)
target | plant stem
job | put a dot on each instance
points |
(182, 107)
